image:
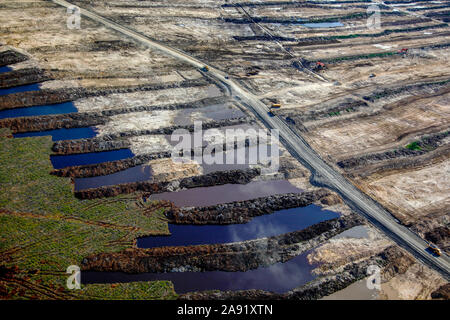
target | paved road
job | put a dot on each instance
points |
(300, 149)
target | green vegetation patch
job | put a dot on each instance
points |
(45, 229)
(413, 146)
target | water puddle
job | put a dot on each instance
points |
(323, 24)
(59, 108)
(134, 174)
(279, 222)
(62, 161)
(208, 196)
(62, 134)
(280, 277)
(27, 87)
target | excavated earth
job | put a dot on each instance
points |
(376, 113)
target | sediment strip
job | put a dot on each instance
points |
(243, 211)
(237, 256)
(207, 180)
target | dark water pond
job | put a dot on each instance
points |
(5, 69)
(134, 174)
(24, 88)
(268, 225)
(323, 25)
(62, 134)
(62, 161)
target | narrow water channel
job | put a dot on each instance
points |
(208, 196)
(134, 174)
(280, 277)
(59, 108)
(63, 161)
(279, 222)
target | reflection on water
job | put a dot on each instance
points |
(215, 112)
(280, 277)
(89, 158)
(62, 134)
(268, 225)
(134, 174)
(208, 196)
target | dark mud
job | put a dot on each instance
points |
(134, 174)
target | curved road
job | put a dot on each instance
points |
(300, 149)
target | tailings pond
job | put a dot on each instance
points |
(280, 277)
